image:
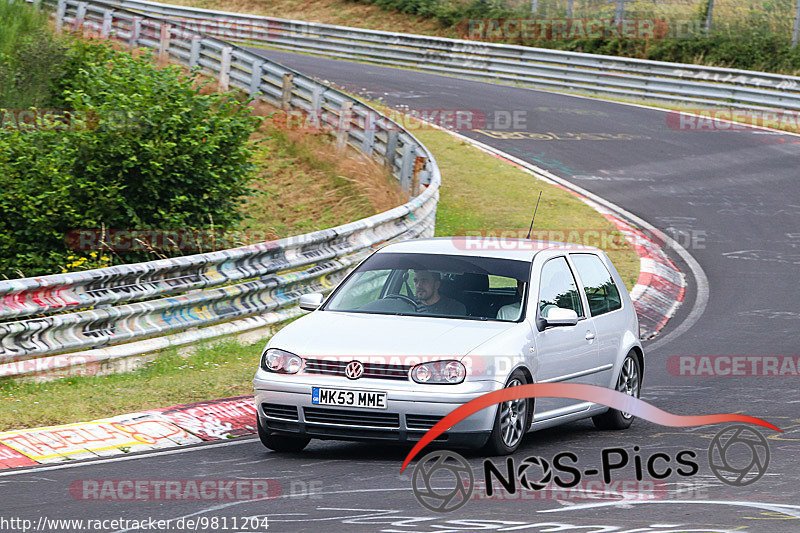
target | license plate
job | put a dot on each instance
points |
(348, 398)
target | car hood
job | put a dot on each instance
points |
(333, 333)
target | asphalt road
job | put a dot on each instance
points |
(731, 198)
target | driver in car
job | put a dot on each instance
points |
(426, 286)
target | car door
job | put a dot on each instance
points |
(605, 307)
(564, 354)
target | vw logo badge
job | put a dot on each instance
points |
(354, 370)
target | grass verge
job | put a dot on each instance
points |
(303, 183)
(214, 371)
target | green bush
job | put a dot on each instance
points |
(31, 59)
(19, 21)
(144, 149)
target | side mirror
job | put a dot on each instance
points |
(311, 301)
(557, 316)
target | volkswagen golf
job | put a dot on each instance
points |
(423, 326)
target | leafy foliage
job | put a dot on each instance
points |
(19, 21)
(30, 57)
(143, 148)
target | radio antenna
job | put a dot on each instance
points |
(534, 215)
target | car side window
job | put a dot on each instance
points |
(557, 288)
(601, 291)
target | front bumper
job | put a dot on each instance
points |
(284, 406)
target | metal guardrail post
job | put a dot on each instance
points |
(136, 30)
(255, 78)
(194, 53)
(406, 166)
(80, 15)
(709, 15)
(419, 164)
(225, 70)
(163, 44)
(343, 131)
(316, 107)
(286, 92)
(61, 9)
(796, 29)
(108, 17)
(369, 136)
(620, 11)
(391, 148)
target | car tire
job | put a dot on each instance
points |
(510, 422)
(281, 443)
(629, 382)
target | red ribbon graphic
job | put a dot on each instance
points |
(589, 393)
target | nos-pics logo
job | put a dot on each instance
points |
(444, 481)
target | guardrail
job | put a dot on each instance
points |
(206, 295)
(552, 69)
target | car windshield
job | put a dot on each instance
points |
(447, 286)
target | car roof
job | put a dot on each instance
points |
(519, 249)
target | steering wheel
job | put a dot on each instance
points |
(406, 299)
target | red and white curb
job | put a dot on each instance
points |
(146, 430)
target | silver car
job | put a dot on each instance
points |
(424, 326)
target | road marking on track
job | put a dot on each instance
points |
(561, 136)
(231, 504)
(786, 509)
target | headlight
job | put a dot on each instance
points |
(280, 361)
(439, 372)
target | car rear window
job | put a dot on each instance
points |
(601, 291)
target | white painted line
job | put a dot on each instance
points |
(305, 518)
(786, 509)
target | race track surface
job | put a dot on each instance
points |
(731, 198)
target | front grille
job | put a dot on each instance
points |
(371, 370)
(421, 421)
(351, 418)
(282, 412)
